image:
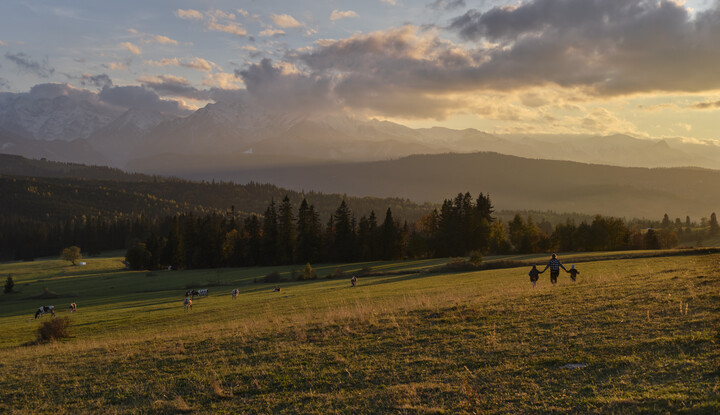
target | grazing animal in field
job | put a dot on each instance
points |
(44, 310)
(276, 289)
(353, 281)
(73, 307)
(199, 293)
(235, 293)
(188, 304)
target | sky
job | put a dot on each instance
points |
(649, 68)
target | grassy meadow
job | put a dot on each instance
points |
(632, 335)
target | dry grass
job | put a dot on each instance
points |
(478, 342)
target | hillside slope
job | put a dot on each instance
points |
(513, 182)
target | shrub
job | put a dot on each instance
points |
(476, 258)
(308, 273)
(56, 328)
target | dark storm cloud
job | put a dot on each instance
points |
(273, 87)
(26, 64)
(180, 87)
(173, 86)
(402, 72)
(611, 46)
(139, 97)
(54, 90)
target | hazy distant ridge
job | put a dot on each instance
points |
(513, 183)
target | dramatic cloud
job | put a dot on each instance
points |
(283, 88)
(400, 72)
(101, 80)
(26, 64)
(612, 47)
(189, 14)
(199, 64)
(53, 90)
(171, 85)
(285, 21)
(139, 97)
(337, 15)
(177, 86)
(135, 50)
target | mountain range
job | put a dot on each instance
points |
(65, 124)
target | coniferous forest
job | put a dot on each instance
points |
(288, 234)
(171, 222)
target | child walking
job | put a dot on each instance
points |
(534, 275)
(573, 272)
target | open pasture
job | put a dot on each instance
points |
(643, 334)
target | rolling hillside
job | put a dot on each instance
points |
(514, 183)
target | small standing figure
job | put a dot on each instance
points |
(534, 275)
(353, 281)
(554, 265)
(276, 289)
(573, 272)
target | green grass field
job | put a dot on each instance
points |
(643, 330)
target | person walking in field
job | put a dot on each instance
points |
(554, 265)
(353, 281)
(534, 275)
(573, 272)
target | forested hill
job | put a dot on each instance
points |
(60, 199)
(20, 166)
(514, 183)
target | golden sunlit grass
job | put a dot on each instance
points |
(642, 332)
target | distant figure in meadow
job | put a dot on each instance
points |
(554, 265)
(534, 275)
(276, 289)
(353, 281)
(573, 272)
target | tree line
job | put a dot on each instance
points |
(462, 226)
(290, 232)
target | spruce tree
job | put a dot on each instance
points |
(344, 233)
(714, 227)
(391, 242)
(309, 235)
(252, 233)
(287, 237)
(270, 236)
